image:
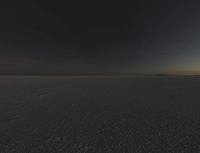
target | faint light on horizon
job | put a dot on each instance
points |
(182, 64)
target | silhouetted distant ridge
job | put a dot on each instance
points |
(161, 75)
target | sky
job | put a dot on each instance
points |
(78, 37)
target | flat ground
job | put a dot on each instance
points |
(99, 115)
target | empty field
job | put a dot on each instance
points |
(99, 115)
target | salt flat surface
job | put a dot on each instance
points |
(99, 115)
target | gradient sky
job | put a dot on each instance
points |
(99, 37)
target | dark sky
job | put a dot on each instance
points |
(99, 37)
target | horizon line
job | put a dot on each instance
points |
(93, 75)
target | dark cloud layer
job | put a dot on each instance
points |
(104, 33)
